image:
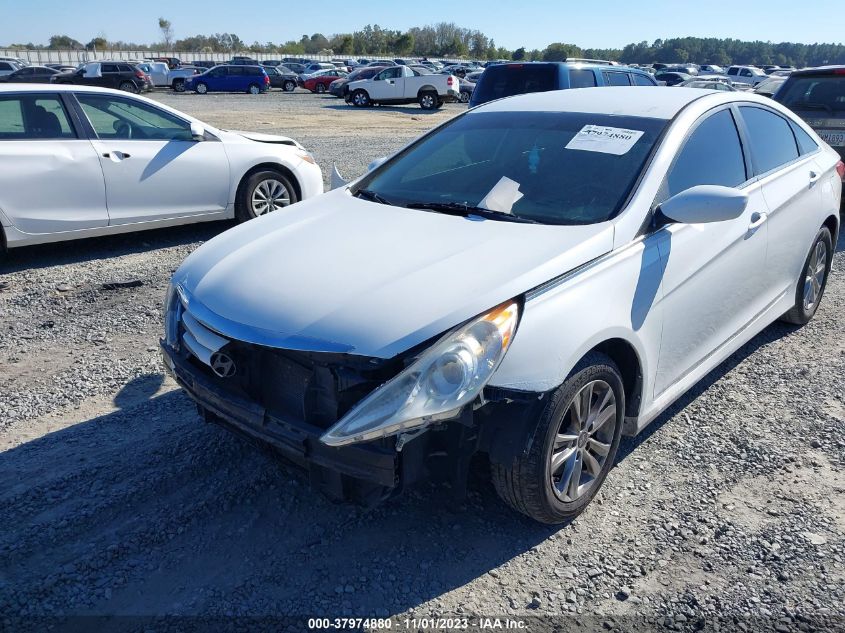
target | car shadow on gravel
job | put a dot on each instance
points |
(149, 511)
(94, 248)
(411, 109)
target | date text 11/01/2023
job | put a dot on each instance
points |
(419, 624)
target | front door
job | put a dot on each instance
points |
(153, 168)
(713, 280)
(52, 179)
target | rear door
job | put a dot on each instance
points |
(52, 177)
(152, 167)
(791, 184)
(614, 78)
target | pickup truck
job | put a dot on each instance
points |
(401, 84)
(163, 76)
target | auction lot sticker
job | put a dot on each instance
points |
(607, 140)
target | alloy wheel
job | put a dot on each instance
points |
(427, 102)
(815, 274)
(268, 196)
(583, 441)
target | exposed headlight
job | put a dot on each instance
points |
(437, 385)
(306, 156)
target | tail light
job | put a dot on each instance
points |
(266, 79)
(840, 169)
(450, 80)
(139, 74)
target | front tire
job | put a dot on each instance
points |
(811, 284)
(201, 88)
(360, 99)
(264, 192)
(573, 447)
(289, 86)
(179, 85)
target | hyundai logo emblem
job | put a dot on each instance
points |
(223, 365)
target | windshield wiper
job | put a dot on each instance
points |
(372, 196)
(456, 208)
(810, 105)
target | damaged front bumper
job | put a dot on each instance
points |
(362, 472)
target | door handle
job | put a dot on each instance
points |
(814, 177)
(757, 220)
(116, 155)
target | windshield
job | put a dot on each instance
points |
(571, 168)
(815, 93)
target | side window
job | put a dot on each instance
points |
(806, 144)
(732, 71)
(745, 73)
(118, 118)
(109, 68)
(236, 71)
(581, 78)
(642, 80)
(616, 79)
(25, 72)
(5, 66)
(27, 117)
(771, 138)
(712, 155)
(125, 68)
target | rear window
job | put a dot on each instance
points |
(616, 79)
(806, 145)
(581, 78)
(822, 95)
(772, 141)
(509, 80)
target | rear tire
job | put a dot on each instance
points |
(201, 88)
(320, 88)
(428, 100)
(253, 89)
(289, 86)
(536, 482)
(813, 280)
(127, 86)
(464, 97)
(263, 192)
(179, 85)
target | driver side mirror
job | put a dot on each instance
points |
(197, 132)
(705, 203)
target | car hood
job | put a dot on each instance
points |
(340, 274)
(260, 137)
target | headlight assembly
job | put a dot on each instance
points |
(437, 385)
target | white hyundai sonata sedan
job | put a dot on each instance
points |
(77, 161)
(531, 280)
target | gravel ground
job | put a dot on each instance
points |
(728, 513)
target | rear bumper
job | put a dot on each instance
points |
(297, 441)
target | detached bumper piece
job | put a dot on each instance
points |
(364, 473)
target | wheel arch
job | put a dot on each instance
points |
(626, 358)
(270, 166)
(426, 88)
(832, 224)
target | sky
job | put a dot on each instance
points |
(531, 23)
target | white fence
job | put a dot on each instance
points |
(72, 58)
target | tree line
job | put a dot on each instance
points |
(446, 39)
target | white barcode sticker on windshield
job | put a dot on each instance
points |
(607, 140)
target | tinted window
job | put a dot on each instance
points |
(616, 79)
(118, 118)
(462, 161)
(712, 155)
(25, 117)
(125, 68)
(642, 80)
(772, 141)
(581, 78)
(820, 95)
(109, 68)
(508, 80)
(732, 71)
(806, 144)
(252, 70)
(5, 66)
(236, 71)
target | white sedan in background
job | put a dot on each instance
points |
(530, 280)
(79, 161)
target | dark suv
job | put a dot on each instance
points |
(107, 74)
(817, 95)
(507, 80)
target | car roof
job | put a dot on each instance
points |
(642, 101)
(57, 88)
(820, 70)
